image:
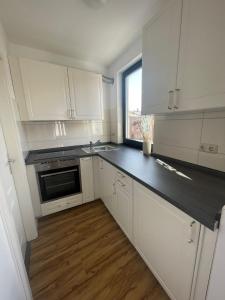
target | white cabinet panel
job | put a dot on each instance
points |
(46, 90)
(86, 95)
(60, 204)
(87, 179)
(123, 207)
(167, 239)
(96, 179)
(160, 55)
(101, 177)
(108, 180)
(201, 72)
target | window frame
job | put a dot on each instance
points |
(125, 74)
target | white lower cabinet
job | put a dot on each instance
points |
(123, 203)
(167, 239)
(96, 174)
(176, 248)
(108, 178)
(87, 179)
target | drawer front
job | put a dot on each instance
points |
(60, 204)
(124, 181)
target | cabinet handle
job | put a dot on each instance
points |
(69, 113)
(114, 188)
(177, 98)
(171, 96)
(191, 232)
(86, 158)
(72, 114)
(123, 176)
(120, 183)
(101, 164)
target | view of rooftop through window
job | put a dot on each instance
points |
(134, 120)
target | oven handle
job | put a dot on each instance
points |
(56, 173)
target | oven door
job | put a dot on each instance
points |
(59, 183)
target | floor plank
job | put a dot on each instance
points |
(82, 254)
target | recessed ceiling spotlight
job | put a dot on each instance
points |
(96, 3)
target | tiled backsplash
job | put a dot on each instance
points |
(40, 135)
(180, 137)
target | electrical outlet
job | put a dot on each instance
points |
(209, 148)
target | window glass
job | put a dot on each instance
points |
(136, 127)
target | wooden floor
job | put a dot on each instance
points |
(82, 254)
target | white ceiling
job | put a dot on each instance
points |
(74, 28)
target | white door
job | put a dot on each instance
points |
(14, 283)
(10, 192)
(46, 90)
(11, 284)
(160, 58)
(201, 72)
(86, 95)
(87, 179)
(167, 239)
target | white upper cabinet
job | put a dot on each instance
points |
(201, 72)
(167, 239)
(160, 54)
(46, 90)
(192, 67)
(86, 94)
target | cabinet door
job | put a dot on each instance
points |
(160, 58)
(87, 179)
(123, 213)
(86, 94)
(46, 90)
(167, 239)
(201, 72)
(96, 179)
(101, 177)
(108, 186)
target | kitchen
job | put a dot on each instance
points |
(112, 126)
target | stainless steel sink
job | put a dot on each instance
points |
(99, 149)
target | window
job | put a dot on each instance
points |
(133, 122)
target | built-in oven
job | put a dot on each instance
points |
(58, 179)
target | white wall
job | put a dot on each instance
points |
(32, 53)
(131, 55)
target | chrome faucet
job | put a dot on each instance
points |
(94, 144)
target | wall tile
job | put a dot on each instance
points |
(179, 136)
(189, 155)
(213, 161)
(42, 135)
(213, 132)
(180, 133)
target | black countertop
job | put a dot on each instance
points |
(197, 191)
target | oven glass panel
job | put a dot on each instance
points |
(59, 183)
